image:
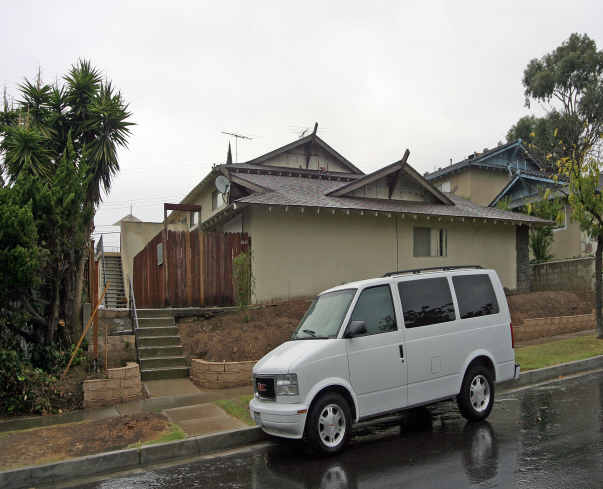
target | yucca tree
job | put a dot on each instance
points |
(84, 114)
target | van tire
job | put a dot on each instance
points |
(476, 398)
(318, 435)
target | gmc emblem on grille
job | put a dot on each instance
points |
(262, 387)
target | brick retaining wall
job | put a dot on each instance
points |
(121, 385)
(532, 329)
(219, 375)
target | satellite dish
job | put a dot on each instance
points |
(222, 184)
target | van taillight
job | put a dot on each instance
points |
(512, 337)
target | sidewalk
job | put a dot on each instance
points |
(174, 398)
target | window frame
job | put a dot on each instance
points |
(442, 239)
(455, 307)
(348, 318)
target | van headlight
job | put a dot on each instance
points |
(286, 385)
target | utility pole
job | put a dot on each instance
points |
(237, 137)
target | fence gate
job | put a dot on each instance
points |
(198, 267)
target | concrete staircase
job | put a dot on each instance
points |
(115, 296)
(160, 352)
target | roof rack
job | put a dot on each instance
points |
(430, 269)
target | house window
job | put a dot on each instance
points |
(445, 186)
(193, 219)
(430, 242)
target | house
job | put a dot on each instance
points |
(317, 220)
(508, 176)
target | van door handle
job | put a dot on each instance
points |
(401, 347)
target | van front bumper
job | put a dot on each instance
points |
(277, 419)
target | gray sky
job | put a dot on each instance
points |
(441, 78)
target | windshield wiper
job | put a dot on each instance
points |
(310, 332)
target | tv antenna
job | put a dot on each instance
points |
(237, 137)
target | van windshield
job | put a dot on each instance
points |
(324, 317)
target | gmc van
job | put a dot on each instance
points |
(371, 348)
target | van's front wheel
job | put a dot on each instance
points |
(329, 424)
(476, 398)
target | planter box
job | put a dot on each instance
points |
(220, 375)
(121, 385)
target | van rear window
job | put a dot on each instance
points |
(426, 301)
(475, 295)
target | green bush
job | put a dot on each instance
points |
(25, 389)
(243, 279)
(52, 359)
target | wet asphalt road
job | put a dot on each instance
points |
(544, 437)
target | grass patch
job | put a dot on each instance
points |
(237, 407)
(556, 352)
(173, 433)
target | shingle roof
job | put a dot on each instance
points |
(309, 192)
(479, 159)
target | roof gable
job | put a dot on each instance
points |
(398, 181)
(511, 155)
(309, 152)
(524, 185)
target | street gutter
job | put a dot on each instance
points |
(109, 462)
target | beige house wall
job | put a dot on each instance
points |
(567, 241)
(134, 236)
(475, 184)
(297, 254)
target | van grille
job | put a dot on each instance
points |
(264, 387)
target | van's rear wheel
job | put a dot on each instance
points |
(329, 424)
(476, 398)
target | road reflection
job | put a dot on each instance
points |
(444, 444)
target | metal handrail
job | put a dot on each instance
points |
(133, 317)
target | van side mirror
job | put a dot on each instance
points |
(355, 328)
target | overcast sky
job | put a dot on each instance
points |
(441, 78)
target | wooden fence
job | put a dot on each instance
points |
(199, 269)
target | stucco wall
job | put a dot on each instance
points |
(486, 184)
(133, 238)
(301, 254)
(566, 242)
(477, 185)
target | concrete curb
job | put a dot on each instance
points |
(550, 373)
(128, 459)
(202, 445)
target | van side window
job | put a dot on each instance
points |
(426, 302)
(475, 295)
(376, 309)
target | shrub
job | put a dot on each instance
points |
(242, 279)
(25, 389)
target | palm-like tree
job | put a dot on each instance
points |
(84, 113)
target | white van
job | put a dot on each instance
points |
(371, 348)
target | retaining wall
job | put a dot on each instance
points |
(577, 274)
(121, 385)
(531, 329)
(219, 375)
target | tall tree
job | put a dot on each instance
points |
(570, 81)
(81, 122)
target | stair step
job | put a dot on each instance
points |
(146, 322)
(162, 362)
(156, 331)
(154, 313)
(146, 352)
(164, 373)
(158, 341)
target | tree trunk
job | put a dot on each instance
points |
(598, 266)
(54, 318)
(76, 317)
